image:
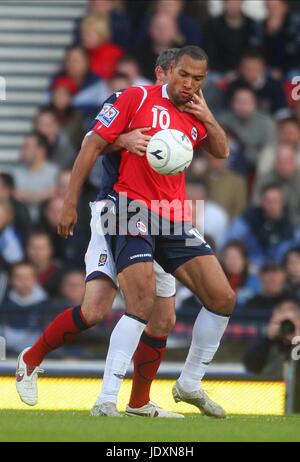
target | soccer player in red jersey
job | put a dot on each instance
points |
(101, 289)
(176, 105)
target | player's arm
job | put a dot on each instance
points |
(92, 146)
(135, 141)
(216, 142)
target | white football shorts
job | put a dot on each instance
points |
(99, 260)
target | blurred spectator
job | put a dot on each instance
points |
(287, 175)
(288, 132)
(215, 218)
(279, 36)
(10, 247)
(225, 187)
(95, 36)
(236, 161)
(236, 267)
(72, 288)
(69, 118)
(60, 149)
(273, 292)
(21, 312)
(188, 27)
(162, 34)
(213, 95)
(254, 128)
(21, 217)
(269, 92)
(267, 230)
(292, 266)
(119, 22)
(270, 353)
(228, 36)
(72, 250)
(62, 184)
(35, 178)
(39, 250)
(89, 87)
(255, 9)
(128, 66)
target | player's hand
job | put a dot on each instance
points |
(198, 107)
(67, 221)
(136, 141)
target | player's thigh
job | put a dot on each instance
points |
(98, 257)
(98, 299)
(204, 276)
(137, 283)
(163, 317)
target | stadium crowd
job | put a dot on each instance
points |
(252, 201)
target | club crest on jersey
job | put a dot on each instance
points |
(107, 114)
(194, 133)
(141, 227)
(102, 259)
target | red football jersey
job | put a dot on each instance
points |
(149, 106)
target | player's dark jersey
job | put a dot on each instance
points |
(110, 163)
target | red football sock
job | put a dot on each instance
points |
(147, 359)
(63, 329)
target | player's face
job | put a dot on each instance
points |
(185, 79)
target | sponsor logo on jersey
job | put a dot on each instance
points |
(108, 116)
(161, 108)
(194, 133)
(141, 227)
(102, 259)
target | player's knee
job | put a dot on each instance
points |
(94, 314)
(161, 327)
(224, 302)
(142, 304)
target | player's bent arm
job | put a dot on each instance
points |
(135, 141)
(92, 146)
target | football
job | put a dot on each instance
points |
(169, 152)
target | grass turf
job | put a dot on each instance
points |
(80, 426)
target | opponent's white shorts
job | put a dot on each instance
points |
(99, 260)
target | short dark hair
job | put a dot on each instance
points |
(253, 53)
(269, 186)
(271, 267)
(8, 180)
(166, 58)
(47, 110)
(41, 139)
(295, 250)
(243, 87)
(192, 51)
(20, 264)
(39, 232)
(287, 120)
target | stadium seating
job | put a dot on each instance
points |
(32, 45)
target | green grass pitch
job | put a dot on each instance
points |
(80, 426)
